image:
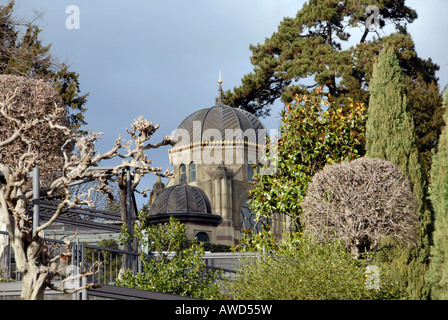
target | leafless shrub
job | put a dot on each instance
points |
(23, 124)
(360, 203)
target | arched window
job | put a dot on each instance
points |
(183, 174)
(202, 237)
(192, 171)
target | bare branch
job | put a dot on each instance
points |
(360, 203)
(94, 269)
(38, 135)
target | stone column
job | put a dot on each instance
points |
(223, 202)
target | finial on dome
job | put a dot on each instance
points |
(220, 90)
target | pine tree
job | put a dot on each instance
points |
(316, 48)
(438, 270)
(309, 45)
(390, 135)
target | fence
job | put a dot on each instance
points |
(106, 262)
(110, 261)
(82, 256)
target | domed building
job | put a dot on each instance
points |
(191, 206)
(213, 156)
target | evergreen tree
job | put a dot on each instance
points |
(438, 270)
(314, 49)
(22, 53)
(390, 135)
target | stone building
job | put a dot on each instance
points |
(212, 162)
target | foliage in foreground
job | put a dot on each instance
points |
(176, 265)
(391, 135)
(313, 134)
(301, 269)
(438, 268)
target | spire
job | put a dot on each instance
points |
(157, 188)
(220, 91)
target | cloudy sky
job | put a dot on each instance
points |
(161, 59)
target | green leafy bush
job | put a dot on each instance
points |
(176, 265)
(300, 268)
(313, 134)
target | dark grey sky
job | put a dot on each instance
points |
(161, 59)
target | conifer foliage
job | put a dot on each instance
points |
(22, 53)
(390, 135)
(310, 45)
(438, 271)
(318, 48)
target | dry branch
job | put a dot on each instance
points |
(360, 203)
(34, 132)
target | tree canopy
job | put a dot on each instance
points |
(316, 48)
(390, 135)
(31, 101)
(313, 134)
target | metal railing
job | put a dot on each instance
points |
(83, 257)
(107, 262)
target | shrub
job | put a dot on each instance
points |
(360, 203)
(438, 270)
(176, 266)
(313, 134)
(30, 101)
(301, 269)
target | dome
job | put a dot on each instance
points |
(181, 199)
(185, 203)
(220, 123)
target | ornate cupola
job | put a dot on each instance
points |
(220, 126)
(214, 151)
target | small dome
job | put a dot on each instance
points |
(181, 199)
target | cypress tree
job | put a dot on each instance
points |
(438, 270)
(390, 135)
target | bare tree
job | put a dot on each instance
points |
(25, 101)
(360, 203)
(77, 155)
(109, 201)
